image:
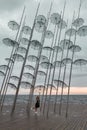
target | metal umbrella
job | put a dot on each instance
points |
(45, 65)
(41, 18)
(9, 42)
(55, 18)
(60, 83)
(26, 30)
(63, 24)
(22, 50)
(41, 73)
(32, 58)
(9, 60)
(18, 57)
(2, 74)
(4, 67)
(40, 21)
(26, 85)
(28, 75)
(13, 86)
(75, 48)
(24, 41)
(44, 58)
(13, 25)
(35, 44)
(66, 43)
(71, 32)
(80, 62)
(55, 48)
(47, 48)
(39, 27)
(58, 64)
(49, 34)
(82, 31)
(15, 78)
(39, 88)
(78, 22)
(29, 67)
(66, 61)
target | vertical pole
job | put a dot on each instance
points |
(18, 87)
(71, 67)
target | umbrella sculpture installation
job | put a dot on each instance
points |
(48, 61)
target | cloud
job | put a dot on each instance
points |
(10, 5)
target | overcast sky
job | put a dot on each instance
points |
(12, 10)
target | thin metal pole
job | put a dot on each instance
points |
(55, 62)
(50, 71)
(71, 67)
(59, 74)
(60, 105)
(18, 87)
(35, 73)
(47, 68)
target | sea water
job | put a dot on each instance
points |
(77, 99)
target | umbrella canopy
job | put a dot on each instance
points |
(51, 85)
(41, 19)
(15, 78)
(11, 85)
(57, 48)
(55, 18)
(49, 34)
(39, 88)
(24, 41)
(9, 42)
(9, 60)
(78, 22)
(2, 74)
(62, 24)
(25, 85)
(71, 32)
(58, 64)
(41, 73)
(45, 65)
(26, 30)
(4, 67)
(75, 48)
(35, 45)
(30, 67)
(65, 44)
(43, 59)
(18, 57)
(60, 83)
(39, 27)
(13, 25)
(66, 61)
(47, 48)
(28, 75)
(32, 58)
(80, 62)
(82, 31)
(22, 50)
